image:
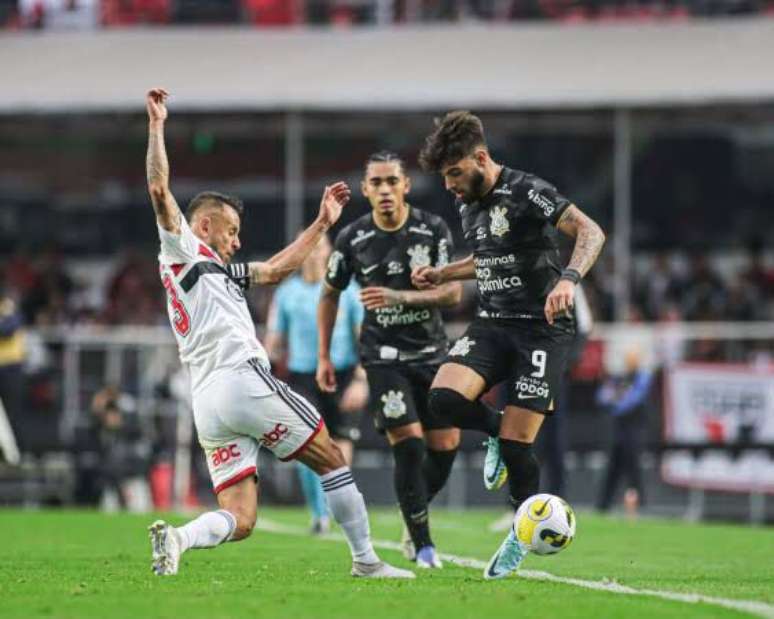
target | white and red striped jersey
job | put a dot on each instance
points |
(207, 308)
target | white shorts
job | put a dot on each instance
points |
(246, 409)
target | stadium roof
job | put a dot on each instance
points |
(523, 66)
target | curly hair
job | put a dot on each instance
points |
(213, 198)
(455, 136)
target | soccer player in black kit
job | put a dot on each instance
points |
(402, 341)
(523, 331)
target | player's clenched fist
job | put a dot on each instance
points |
(155, 102)
(426, 277)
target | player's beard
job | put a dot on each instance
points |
(476, 186)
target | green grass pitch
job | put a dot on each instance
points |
(82, 564)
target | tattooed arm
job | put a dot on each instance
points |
(156, 163)
(589, 240)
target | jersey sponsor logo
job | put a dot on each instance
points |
(503, 191)
(443, 253)
(498, 225)
(395, 315)
(224, 454)
(420, 256)
(495, 261)
(394, 406)
(271, 438)
(498, 284)
(529, 387)
(422, 229)
(541, 201)
(367, 270)
(395, 268)
(480, 233)
(462, 347)
(334, 262)
(361, 236)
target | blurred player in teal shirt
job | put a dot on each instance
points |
(293, 327)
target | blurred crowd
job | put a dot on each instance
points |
(51, 291)
(89, 14)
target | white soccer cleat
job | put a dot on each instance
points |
(427, 558)
(379, 570)
(165, 547)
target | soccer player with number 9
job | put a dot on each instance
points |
(523, 329)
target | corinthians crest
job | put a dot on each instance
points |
(462, 347)
(499, 224)
(420, 256)
(333, 263)
(394, 406)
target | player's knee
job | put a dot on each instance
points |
(445, 402)
(245, 523)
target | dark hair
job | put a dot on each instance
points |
(386, 156)
(456, 136)
(213, 198)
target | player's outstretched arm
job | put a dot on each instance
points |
(589, 240)
(282, 264)
(156, 163)
(327, 309)
(424, 278)
(443, 295)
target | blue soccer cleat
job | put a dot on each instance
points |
(507, 558)
(495, 472)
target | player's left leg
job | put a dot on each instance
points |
(519, 429)
(540, 360)
(347, 506)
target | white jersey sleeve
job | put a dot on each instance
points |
(177, 248)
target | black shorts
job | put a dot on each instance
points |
(530, 355)
(343, 425)
(399, 396)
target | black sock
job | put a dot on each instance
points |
(523, 470)
(436, 469)
(452, 405)
(411, 490)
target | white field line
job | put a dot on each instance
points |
(759, 609)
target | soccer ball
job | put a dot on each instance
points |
(545, 524)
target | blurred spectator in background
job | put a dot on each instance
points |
(122, 452)
(293, 326)
(133, 293)
(60, 14)
(624, 397)
(12, 354)
(552, 441)
(704, 297)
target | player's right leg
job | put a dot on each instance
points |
(234, 521)
(455, 394)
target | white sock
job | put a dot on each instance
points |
(208, 530)
(349, 510)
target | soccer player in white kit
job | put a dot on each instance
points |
(238, 405)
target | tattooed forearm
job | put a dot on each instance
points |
(156, 163)
(157, 171)
(589, 238)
